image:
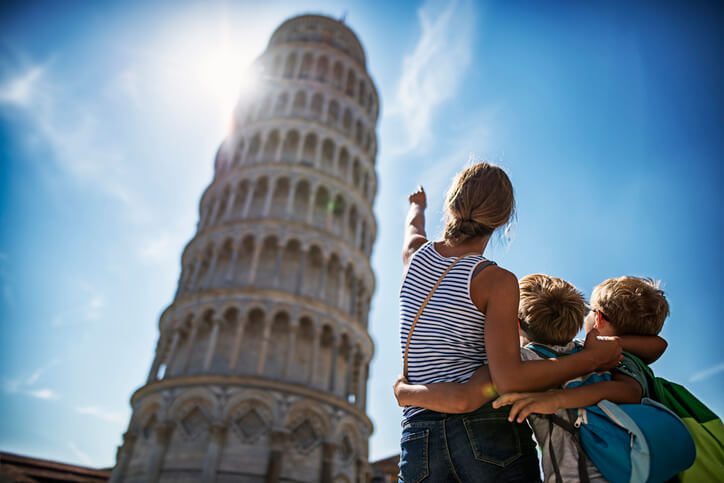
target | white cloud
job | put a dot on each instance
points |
(73, 130)
(19, 89)
(89, 310)
(103, 414)
(82, 456)
(44, 393)
(433, 71)
(707, 373)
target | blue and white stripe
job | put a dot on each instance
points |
(448, 343)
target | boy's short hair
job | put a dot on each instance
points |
(632, 305)
(551, 310)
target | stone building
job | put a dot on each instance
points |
(262, 360)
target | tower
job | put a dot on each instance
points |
(262, 360)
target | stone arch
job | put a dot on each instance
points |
(300, 103)
(356, 172)
(338, 210)
(304, 351)
(207, 257)
(321, 207)
(343, 164)
(193, 413)
(309, 151)
(313, 272)
(331, 285)
(258, 198)
(290, 65)
(362, 93)
(289, 271)
(358, 132)
(238, 153)
(351, 81)
(322, 67)
(277, 357)
(333, 112)
(266, 266)
(223, 262)
(302, 199)
(366, 186)
(254, 147)
(290, 147)
(223, 202)
(251, 341)
(363, 237)
(352, 224)
(299, 413)
(350, 290)
(342, 365)
(271, 146)
(242, 191)
(265, 108)
(240, 272)
(328, 151)
(197, 352)
(280, 197)
(280, 106)
(347, 120)
(250, 416)
(317, 105)
(305, 70)
(337, 72)
(229, 320)
(324, 357)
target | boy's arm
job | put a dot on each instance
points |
(447, 397)
(622, 389)
(648, 348)
(415, 235)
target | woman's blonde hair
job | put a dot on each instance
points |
(479, 200)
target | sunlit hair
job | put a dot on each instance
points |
(632, 305)
(551, 310)
(479, 200)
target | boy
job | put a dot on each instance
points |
(551, 312)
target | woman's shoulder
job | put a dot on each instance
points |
(414, 244)
(494, 279)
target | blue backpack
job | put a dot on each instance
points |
(643, 442)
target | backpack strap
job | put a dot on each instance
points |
(555, 420)
(419, 313)
(543, 351)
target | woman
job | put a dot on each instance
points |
(469, 321)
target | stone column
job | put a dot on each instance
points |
(294, 328)
(264, 347)
(172, 351)
(277, 265)
(212, 268)
(195, 275)
(316, 342)
(340, 288)
(290, 201)
(332, 366)
(255, 259)
(237, 343)
(276, 458)
(269, 198)
(230, 205)
(300, 272)
(328, 449)
(124, 457)
(247, 201)
(214, 210)
(160, 349)
(217, 438)
(362, 403)
(158, 451)
(215, 327)
(191, 342)
(232, 262)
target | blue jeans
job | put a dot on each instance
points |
(474, 447)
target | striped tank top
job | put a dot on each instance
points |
(448, 343)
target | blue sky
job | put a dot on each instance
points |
(607, 117)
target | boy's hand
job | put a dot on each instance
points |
(605, 351)
(397, 388)
(525, 404)
(418, 197)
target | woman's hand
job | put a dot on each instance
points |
(418, 198)
(527, 403)
(605, 351)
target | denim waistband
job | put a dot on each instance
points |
(433, 416)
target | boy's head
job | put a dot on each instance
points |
(628, 306)
(551, 310)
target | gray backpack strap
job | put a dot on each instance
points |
(481, 266)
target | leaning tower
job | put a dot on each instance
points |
(262, 360)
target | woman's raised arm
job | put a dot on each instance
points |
(415, 235)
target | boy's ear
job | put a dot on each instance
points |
(600, 322)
